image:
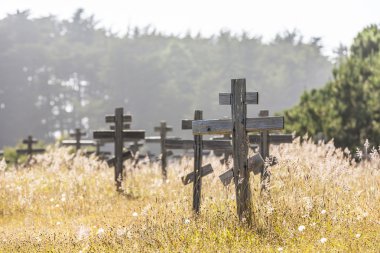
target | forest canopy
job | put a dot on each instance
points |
(56, 75)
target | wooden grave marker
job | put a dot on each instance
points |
(29, 148)
(198, 145)
(264, 139)
(239, 125)
(119, 136)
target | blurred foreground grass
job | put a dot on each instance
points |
(319, 202)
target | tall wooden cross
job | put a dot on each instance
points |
(264, 139)
(119, 135)
(239, 126)
(198, 144)
(29, 148)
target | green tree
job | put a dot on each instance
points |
(347, 108)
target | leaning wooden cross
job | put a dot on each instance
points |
(239, 126)
(264, 139)
(29, 149)
(119, 136)
(198, 144)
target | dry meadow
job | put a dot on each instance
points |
(319, 201)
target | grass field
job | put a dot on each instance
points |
(318, 202)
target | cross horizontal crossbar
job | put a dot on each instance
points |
(189, 178)
(25, 151)
(206, 145)
(224, 126)
(179, 144)
(273, 138)
(250, 98)
(157, 139)
(127, 134)
(82, 142)
(111, 118)
(27, 141)
(187, 124)
(126, 156)
(74, 134)
(125, 126)
(167, 129)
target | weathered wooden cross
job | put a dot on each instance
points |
(77, 142)
(264, 139)
(239, 126)
(29, 149)
(163, 129)
(198, 144)
(119, 136)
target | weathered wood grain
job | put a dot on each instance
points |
(189, 178)
(112, 119)
(186, 124)
(240, 149)
(255, 163)
(198, 149)
(249, 98)
(224, 126)
(125, 126)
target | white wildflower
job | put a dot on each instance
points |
(280, 249)
(323, 211)
(323, 240)
(358, 235)
(58, 223)
(38, 239)
(100, 232)
(301, 228)
(121, 231)
(134, 214)
(187, 221)
(83, 233)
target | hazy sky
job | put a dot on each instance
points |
(336, 21)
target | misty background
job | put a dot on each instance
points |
(56, 75)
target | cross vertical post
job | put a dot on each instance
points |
(240, 149)
(29, 143)
(163, 129)
(197, 186)
(264, 151)
(119, 112)
(163, 150)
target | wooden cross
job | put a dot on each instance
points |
(163, 129)
(29, 149)
(119, 136)
(78, 142)
(239, 126)
(198, 144)
(264, 139)
(78, 134)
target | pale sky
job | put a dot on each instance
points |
(336, 21)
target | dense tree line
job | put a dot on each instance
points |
(56, 75)
(347, 108)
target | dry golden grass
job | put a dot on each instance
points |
(67, 203)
